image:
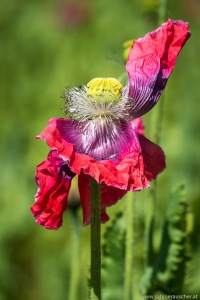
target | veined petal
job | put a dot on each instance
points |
(54, 179)
(99, 138)
(124, 171)
(151, 61)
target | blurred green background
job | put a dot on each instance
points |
(45, 46)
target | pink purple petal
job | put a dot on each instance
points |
(151, 61)
(126, 172)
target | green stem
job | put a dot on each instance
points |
(95, 240)
(129, 247)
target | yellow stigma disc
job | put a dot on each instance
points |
(104, 89)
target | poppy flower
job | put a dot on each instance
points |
(103, 135)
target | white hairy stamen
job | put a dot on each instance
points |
(82, 107)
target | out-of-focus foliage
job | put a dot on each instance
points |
(46, 45)
(113, 259)
(168, 271)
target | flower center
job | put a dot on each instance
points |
(102, 98)
(104, 90)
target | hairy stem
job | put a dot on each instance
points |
(95, 240)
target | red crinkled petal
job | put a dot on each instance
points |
(153, 157)
(139, 161)
(151, 61)
(109, 196)
(54, 180)
(127, 173)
